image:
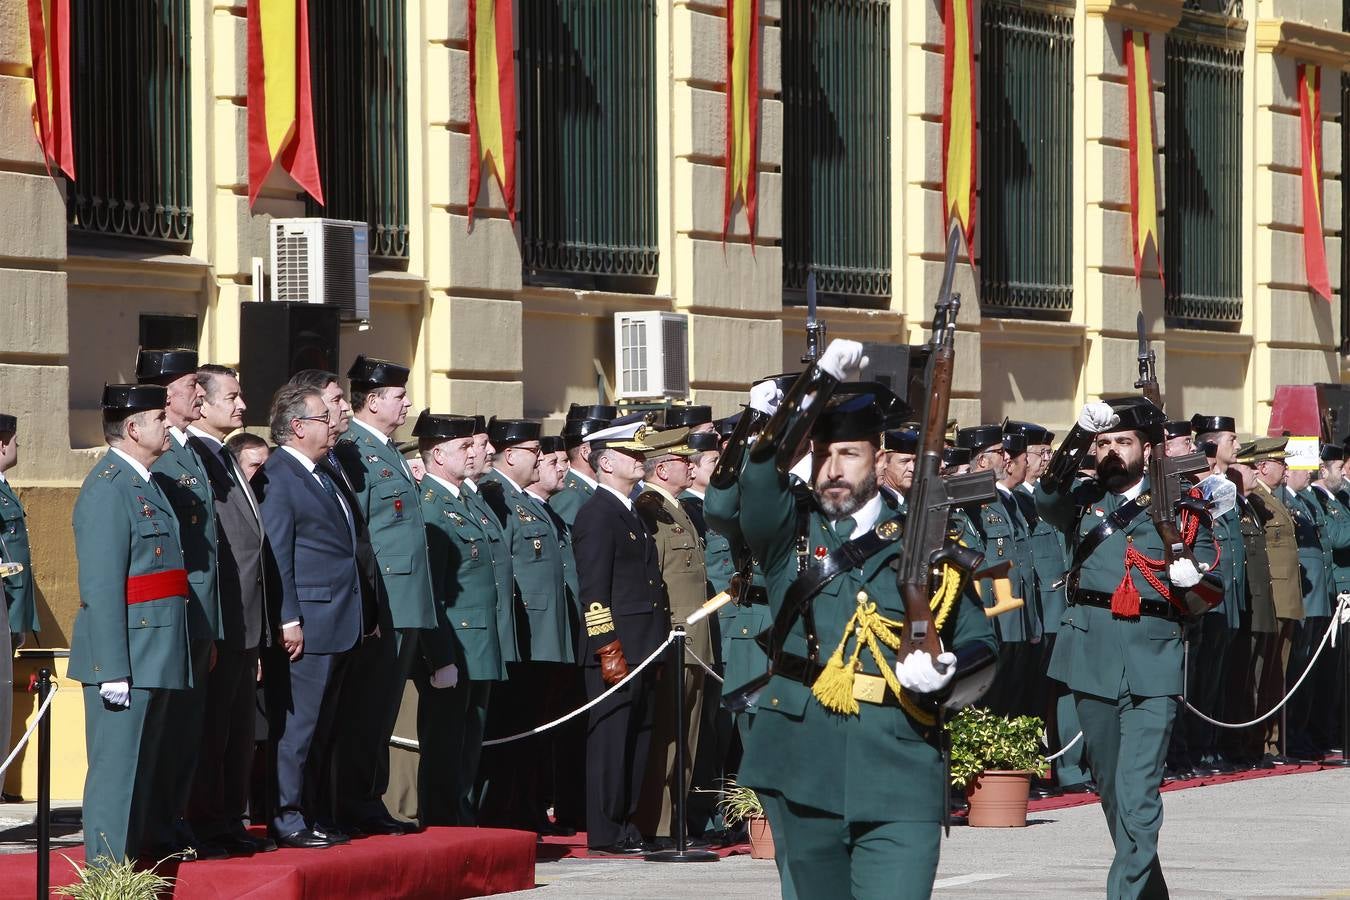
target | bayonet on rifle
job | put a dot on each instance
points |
(815, 330)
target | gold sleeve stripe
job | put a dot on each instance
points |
(598, 620)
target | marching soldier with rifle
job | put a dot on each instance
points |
(1140, 546)
(844, 751)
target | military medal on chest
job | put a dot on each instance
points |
(398, 508)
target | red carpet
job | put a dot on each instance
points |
(574, 847)
(437, 863)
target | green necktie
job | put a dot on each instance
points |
(843, 528)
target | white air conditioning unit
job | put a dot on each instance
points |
(322, 261)
(651, 355)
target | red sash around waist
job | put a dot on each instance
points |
(157, 586)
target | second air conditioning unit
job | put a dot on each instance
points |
(651, 355)
(318, 260)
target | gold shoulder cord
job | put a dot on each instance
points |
(835, 686)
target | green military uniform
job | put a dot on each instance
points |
(576, 490)
(500, 546)
(451, 721)
(840, 822)
(133, 624)
(1125, 671)
(582, 422)
(1210, 638)
(20, 591)
(1245, 746)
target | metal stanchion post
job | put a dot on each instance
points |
(44, 786)
(681, 853)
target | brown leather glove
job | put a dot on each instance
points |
(613, 667)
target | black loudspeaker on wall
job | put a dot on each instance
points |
(276, 340)
(1333, 403)
(899, 367)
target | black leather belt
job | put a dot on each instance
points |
(1160, 609)
(801, 669)
(756, 596)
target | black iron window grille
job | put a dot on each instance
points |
(359, 72)
(1202, 247)
(1025, 241)
(587, 194)
(131, 120)
(836, 148)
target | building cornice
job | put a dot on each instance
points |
(1150, 15)
(1304, 42)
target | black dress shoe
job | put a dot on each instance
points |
(209, 850)
(1084, 787)
(241, 843)
(304, 839)
(330, 833)
(385, 825)
(554, 829)
(625, 849)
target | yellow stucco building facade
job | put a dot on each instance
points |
(484, 333)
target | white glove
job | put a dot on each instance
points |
(1097, 417)
(843, 359)
(116, 693)
(1183, 573)
(765, 397)
(445, 677)
(917, 673)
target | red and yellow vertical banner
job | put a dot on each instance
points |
(958, 115)
(1143, 151)
(743, 56)
(492, 89)
(280, 102)
(49, 38)
(1310, 122)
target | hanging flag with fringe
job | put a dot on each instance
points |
(958, 116)
(1310, 121)
(743, 55)
(1143, 151)
(492, 89)
(280, 103)
(49, 40)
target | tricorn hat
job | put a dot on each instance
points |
(431, 425)
(688, 416)
(859, 410)
(703, 441)
(503, 433)
(578, 411)
(155, 366)
(1177, 428)
(377, 372)
(121, 400)
(576, 431)
(902, 440)
(1206, 424)
(551, 443)
(1035, 434)
(979, 438)
(955, 456)
(1138, 413)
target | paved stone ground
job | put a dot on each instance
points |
(1285, 837)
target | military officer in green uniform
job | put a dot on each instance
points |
(130, 647)
(579, 483)
(452, 705)
(1119, 647)
(182, 477)
(513, 794)
(1329, 491)
(408, 628)
(897, 473)
(851, 777)
(18, 614)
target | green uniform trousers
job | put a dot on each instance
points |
(124, 756)
(450, 723)
(1126, 746)
(829, 856)
(775, 810)
(174, 775)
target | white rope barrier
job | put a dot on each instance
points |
(42, 711)
(408, 744)
(1307, 670)
(1065, 749)
(707, 668)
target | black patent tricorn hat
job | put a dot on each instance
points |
(377, 372)
(431, 425)
(154, 366)
(121, 400)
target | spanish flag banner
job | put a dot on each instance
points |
(49, 39)
(743, 55)
(492, 87)
(1143, 151)
(280, 105)
(958, 115)
(1310, 121)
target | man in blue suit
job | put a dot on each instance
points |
(310, 524)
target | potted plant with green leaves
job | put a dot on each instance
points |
(741, 804)
(994, 758)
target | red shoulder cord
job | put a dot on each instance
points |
(1125, 598)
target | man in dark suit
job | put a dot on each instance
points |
(180, 476)
(313, 535)
(221, 784)
(626, 617)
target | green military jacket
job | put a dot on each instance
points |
(125, 527)
(1095, 650)
(1046, 543)
(1256, 559)
(573, 496)
(500, 546)
(1336, 536)
(1314, 555)
(181, 476)
(388, 498)
(20, 593)
(1232, 565)
(880, 765)
(1004, 534)
(464, 585)
(680, 551)
(537, 567)
(1286, 575)
(743, 658)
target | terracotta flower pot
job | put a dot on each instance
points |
(999, 799)
(761, 838)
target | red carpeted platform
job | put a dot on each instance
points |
(437, 863)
